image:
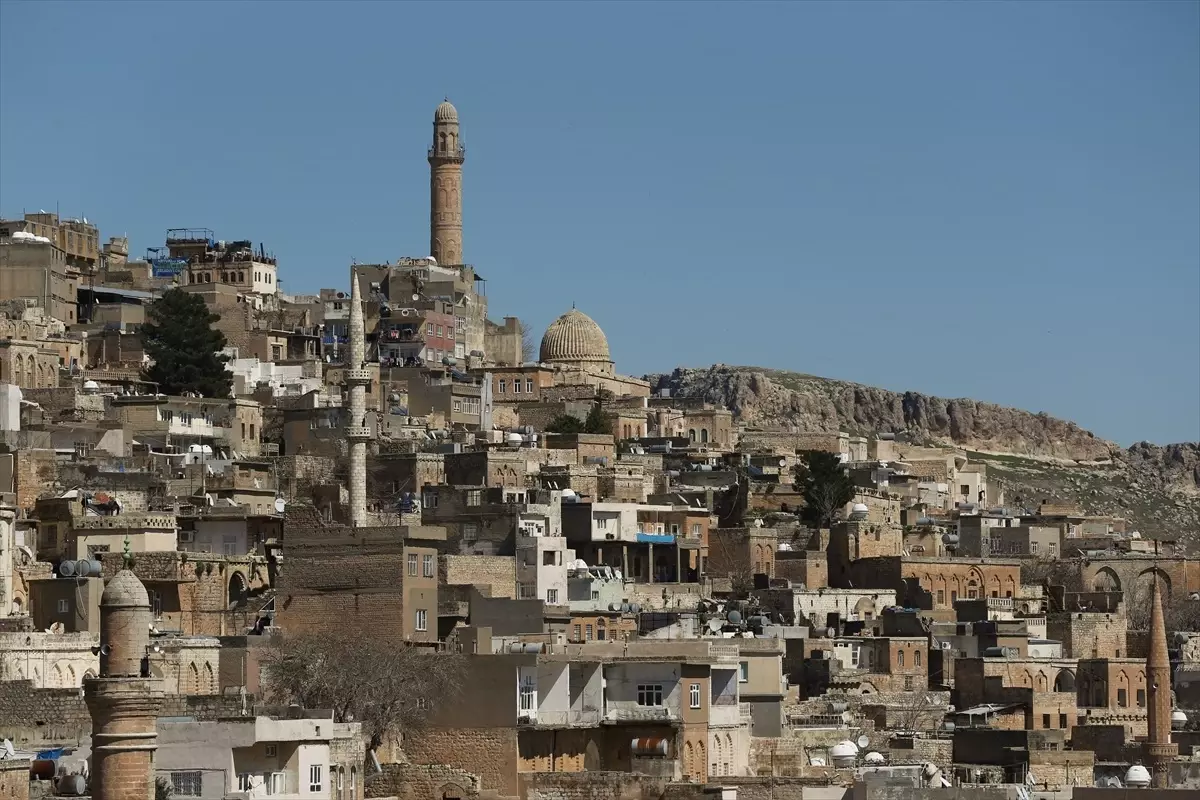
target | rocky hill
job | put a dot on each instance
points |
(1033, 456)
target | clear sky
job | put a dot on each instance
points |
(988, 200)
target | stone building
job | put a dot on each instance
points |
(48, 660)
(577, 349)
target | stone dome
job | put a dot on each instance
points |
(574, 337)
(445, 112)
(125, 591)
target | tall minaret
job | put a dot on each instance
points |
(446, 158)
(358, 377)
(1160, 750)
(124, 701)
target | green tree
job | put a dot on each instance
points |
(186, 350)
(565, 423)
(824, 485)
(596, 422)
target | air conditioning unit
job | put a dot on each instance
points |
(945, 645)
(187, 537)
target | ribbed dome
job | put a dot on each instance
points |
(445, 112)
(574, 337)
(125, 591)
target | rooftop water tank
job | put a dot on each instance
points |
(844, 753)
(874, 759)
(859, 511)
(1137, 777)
(1178, 720)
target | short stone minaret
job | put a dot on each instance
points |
(446, 157)
(124, 701)
(1160, 750)
(358, 433)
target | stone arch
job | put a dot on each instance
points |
(1064, 681)
(864, 608)
(71, 679)
(89, 675)
(701, 759)
(591, 756)
(866, 687)
(450, 791)
(1145, 583)
(60, 675)
(193, 679)
(237, 588)
(18, 370)
(210, 682)
(1027, 679)
(731, 755)
(1042, 681)
(704, 435)
(689, 759)
(1106, 580)
(354, 783)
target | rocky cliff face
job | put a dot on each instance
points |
(774, 398)
(1156, 488)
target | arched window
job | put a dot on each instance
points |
(193, 679)
(210, 684)
(704, 435)
(241, 277)
(692, 434)
(917, 658)
(900, 658)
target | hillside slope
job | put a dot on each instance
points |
(1033, 456)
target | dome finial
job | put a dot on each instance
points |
(126, 556)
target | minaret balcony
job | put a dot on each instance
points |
(358, 376)
(452, 155)
(359, 433)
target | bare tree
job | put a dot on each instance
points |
(917, 711)
(528, 345)
(364, 678)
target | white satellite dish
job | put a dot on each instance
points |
(863, 741)
(8, 749)
(279, 505)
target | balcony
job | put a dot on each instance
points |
(456, 155)
(617, 715)
(560, 719)
(357, 375)
(358, 433)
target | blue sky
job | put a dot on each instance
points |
(988, 200)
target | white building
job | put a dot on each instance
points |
(259, 757)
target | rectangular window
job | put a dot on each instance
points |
(412, 565)
(552, 596)
(422, 620)
(516, 385)
(1062, 721)
(429, 500)
(941, 595)
(529, 386)
(470, 531)
(186, 784)
(578, 632)
(908, 683)
(429, 328)
(743, 671)
(588, 632)
(1122, 698)
(1045, 720)
(528, 694)
(474, 497)
(427, 566)
(650, 694)
(1033, 547)
(694, 695)
(64, 606)
(547, 558)
(526, 591)
(1141, 697)
(501, 390)
(696, 531)
(245, 781)
(439, 330)
(272, 750)
(314, 778)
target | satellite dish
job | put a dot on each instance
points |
(863, 741)
(9, 752)
(279, 505)
(416, 297)
(830, 633)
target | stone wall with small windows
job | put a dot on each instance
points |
(494, 576)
